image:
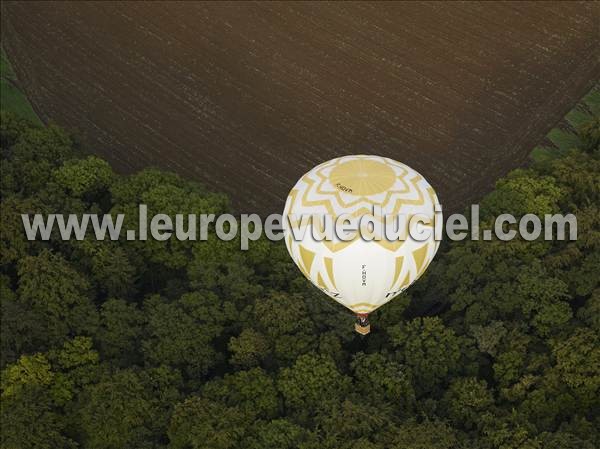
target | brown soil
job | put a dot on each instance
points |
(247, 97)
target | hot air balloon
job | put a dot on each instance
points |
(361, 273)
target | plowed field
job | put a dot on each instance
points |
(246, 97)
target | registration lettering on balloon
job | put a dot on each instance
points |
(343, 188)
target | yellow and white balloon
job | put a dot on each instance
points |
(360, 274)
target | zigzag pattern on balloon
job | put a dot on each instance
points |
(319, 270)
(320, 196)
(352, 186)
(320, 192)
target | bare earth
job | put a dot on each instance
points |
(247, 97)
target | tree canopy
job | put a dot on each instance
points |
(196, 344)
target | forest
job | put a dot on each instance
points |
(180, 344)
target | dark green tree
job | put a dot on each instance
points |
(59, 297)
(429, 349)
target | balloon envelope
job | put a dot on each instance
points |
(358, 272)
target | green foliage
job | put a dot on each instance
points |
(116, 412)
(313, 378)
(204, 424)
(347, 423)
(84, 177)
(34, 156)
(578, 361)
(252, 391)
(58, 295)
(286, 321)
(17, 322)
(466, 402)
(29, 371)
(11, 128)
(111, 271)
(428, 348)
(522, 192)
(13, 241)
(383, 380)
(196, 344)
(180, 333)
(248, 349)
(590, 313)
(279, 434)
(425, 435)
(221, 267)
(163, 193)
(29, 421)
(119, 332)
(13, 99)
(489, 337)
(590, 136)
